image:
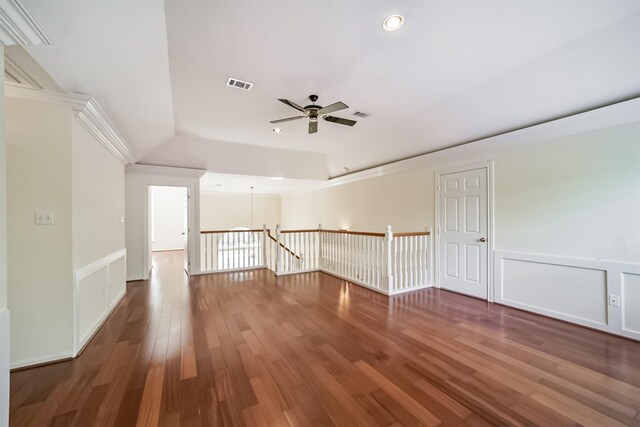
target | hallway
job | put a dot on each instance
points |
(247, 349)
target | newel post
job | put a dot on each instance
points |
(320, 259)
(264, 246)
(388, 238)
(277, 248)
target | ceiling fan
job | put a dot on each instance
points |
(314, 112)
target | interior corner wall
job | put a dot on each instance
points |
(98, 200)
(39, 256)
(224, 211)
(565, 214)
(167, 218)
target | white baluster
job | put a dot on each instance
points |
(389, 267)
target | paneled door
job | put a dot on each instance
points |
(463, 227)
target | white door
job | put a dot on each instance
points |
(185, 233)
(463, 227)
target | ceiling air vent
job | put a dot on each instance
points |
(361, 114)
(239, 84)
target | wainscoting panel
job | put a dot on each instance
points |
(98, 288)
(117, 281)
(576, 290)
(631, 303)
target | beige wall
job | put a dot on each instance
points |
(224, 211)
(98, 199)
(402, 200)
(575, 196)
(39, 256)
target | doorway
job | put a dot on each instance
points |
(169, 222)
(463, 200)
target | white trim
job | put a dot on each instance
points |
(484, 149)
(488, 165)
(613, 270)
(86, 111)
(104, 263)
(5, 355)
(18, 26)
(164, 170)
(289, 273)
(15, 71)
(42, 359)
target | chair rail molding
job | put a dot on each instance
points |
(18, 26)
(87, 112)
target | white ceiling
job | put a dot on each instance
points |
(457, 71)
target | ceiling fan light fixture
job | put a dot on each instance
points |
(393, 23)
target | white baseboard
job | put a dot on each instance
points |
(49, 358)
(289, 273)
(5, 355)
(575, 290)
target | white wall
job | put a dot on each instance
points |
(168, 217)
(5, 339)
(98, 200)
(224, 211)
(39, 256)
(138, 178)
(568, 198)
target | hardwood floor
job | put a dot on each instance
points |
(246, 349)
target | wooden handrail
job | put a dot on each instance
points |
(416, 233)
(354, 233)
(315, 230)
(255, 230)
(283, 246)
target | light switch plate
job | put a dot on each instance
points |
(44, 218)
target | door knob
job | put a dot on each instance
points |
(482, 239)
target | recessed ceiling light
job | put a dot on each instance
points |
(393, 22)
(277, 130)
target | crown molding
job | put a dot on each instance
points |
(163, 170)
(18, 26)
(485, 149)
(87, 112)
(22, 77)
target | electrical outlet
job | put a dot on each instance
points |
(614, 300)
(44, 218)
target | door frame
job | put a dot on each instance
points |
(488, 165)
(146, 223)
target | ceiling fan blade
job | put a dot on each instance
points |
(333, 107)
(340, 120)
(287, 119)
(291, 104)
(313, 127)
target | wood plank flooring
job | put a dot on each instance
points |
(246, 349)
